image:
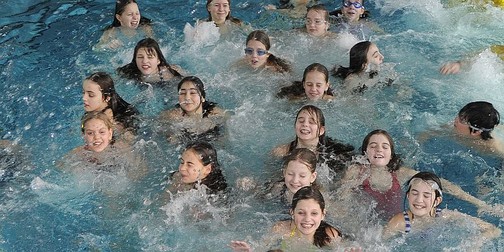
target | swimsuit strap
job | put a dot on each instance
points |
(407, 222)
(293, 231)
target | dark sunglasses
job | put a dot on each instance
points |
(250, 51)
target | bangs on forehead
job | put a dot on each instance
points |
(149, 50)
(310, 112)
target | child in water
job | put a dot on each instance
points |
(424, 195)
(258, 56)
(365, 61)
(219, 11)
(101, 151)
(194, 115)
(198, 167)
(317, 21)
(127, 22)
(310, 133)
(306, 230)
(314, 86)
(381, 175)
(352, 18)
(149, 64)
(99, 95)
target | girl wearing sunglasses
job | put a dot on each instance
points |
(258, 56)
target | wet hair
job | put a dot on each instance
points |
(297, 88)
(228, 17)
(395, 161)
(280, 65)
(320, 238)
(96, 115)
(200, 87)
(433, 178)
(303, 155)
(330, 151)
(319, 8)
(481, 116)
(132, 71)
(119, 9)
(123, 112)
(207, 154)
(358, 60)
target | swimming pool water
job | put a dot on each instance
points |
(46, 52)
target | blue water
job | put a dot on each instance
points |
(46, 52)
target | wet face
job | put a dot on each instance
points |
(307, 127)
(350, 12)
(307, 216)
(190, 99)
(462, 127)
(378, 150)
(421, 198)
(374, 56)
(315, 85)
(219, 10)
(191, 168)
(315, 23)
(92, 96)
(147, 61)
(256, 54)
(97, 135)
(297, 174)
(130, 18)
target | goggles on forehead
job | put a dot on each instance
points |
(357, 5)
(432, 184)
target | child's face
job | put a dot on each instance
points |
(92, 96)
(307, 127)
(97, 135)
(147, 62)
(130, 18)
(315, 85)
(315, 23)
(374, 56)
(462, 127)
(191, 168)
(350, 12)
(297, 174)
(421, 198)
(219, 10)
(254, 48)
(307, 216)
(190, 99)
(378, 150)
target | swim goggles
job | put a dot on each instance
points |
(250, 51)
(357, 5)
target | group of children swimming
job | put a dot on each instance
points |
(111, 123)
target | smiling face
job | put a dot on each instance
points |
(191, 168)
(92, 96)
(147, 61)
(422, 198)
(219, 10)
(97, 135)
(378, 150)
(374, 56)
(315, 85)
(298, 174)
(307, 216)
(315, 22)
(307, 127)
(253, 59)
(190, 99)
(351, 13)
(130, 18)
